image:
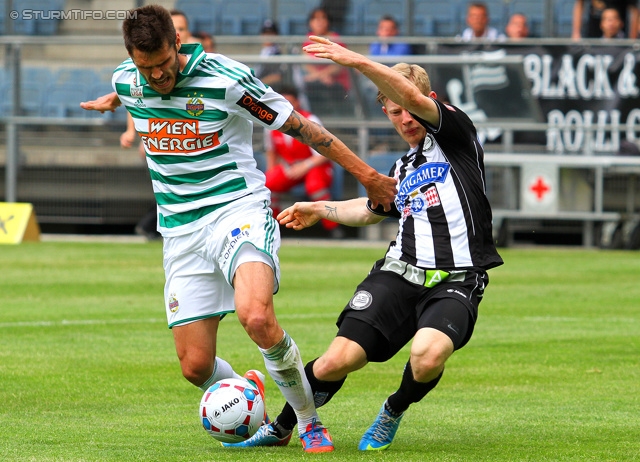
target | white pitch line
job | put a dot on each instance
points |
(102, 322)
(80, 322)
(552, 319)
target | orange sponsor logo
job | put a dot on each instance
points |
(257, 108)
(173, 136)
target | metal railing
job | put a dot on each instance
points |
(364, 130)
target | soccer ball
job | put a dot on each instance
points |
(231, 410)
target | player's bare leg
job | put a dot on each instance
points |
(430, 349)
(343, 357)
(253, 284)
(196, 348)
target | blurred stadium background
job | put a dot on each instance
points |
(556, 165)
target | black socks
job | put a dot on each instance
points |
(409, 392)
(322, 394)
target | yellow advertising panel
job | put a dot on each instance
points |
(18, 223)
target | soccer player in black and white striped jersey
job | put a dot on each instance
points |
(430, 282)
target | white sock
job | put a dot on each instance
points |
(221, 370)
(284, 364)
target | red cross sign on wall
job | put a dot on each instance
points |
(539, 187)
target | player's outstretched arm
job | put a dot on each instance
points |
(108, 102)
(380, 189)
(391, 83)
(353, 212)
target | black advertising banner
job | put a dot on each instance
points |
(576, 87)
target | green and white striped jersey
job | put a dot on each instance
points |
(198, 138)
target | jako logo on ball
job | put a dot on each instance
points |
(227, 406)
(231, 410)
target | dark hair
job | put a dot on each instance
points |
(287, 90)
(175, 12)
(148, 29)
(320, 10)
(269, 26)
(203, 35)
(478, 5)
(388, 17)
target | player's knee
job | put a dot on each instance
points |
(428, 367)
(330, 368)
(262, 327)
(196, 370)
(255, 320)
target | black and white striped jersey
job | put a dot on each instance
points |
(443, 212)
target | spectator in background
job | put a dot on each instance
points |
(207, 41)
(478, 22)
(326, 85)
(517, 28)
(627, 10)
(181, 23)
(388, 28)
(611, 24)
(337, 10)
(290, 163)
(269, 73)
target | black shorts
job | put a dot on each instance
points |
(387, 310)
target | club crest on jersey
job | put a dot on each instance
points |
(195, 106)
(429, 143)
(361, 300)
(432, 172)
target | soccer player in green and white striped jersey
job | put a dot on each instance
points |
(195, 113)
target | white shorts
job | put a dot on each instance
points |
(199, 267)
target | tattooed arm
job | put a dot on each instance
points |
(353, 212)
(380, 188)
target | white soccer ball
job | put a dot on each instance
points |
(231, 410)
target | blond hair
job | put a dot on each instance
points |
(413, 73)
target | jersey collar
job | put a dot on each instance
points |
(196, 53)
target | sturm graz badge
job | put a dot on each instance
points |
(429, 143)
(361, 300)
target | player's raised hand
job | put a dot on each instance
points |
(325, 48)
(299, 216)
(108, 102)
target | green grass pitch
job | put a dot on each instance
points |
(88, 370)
